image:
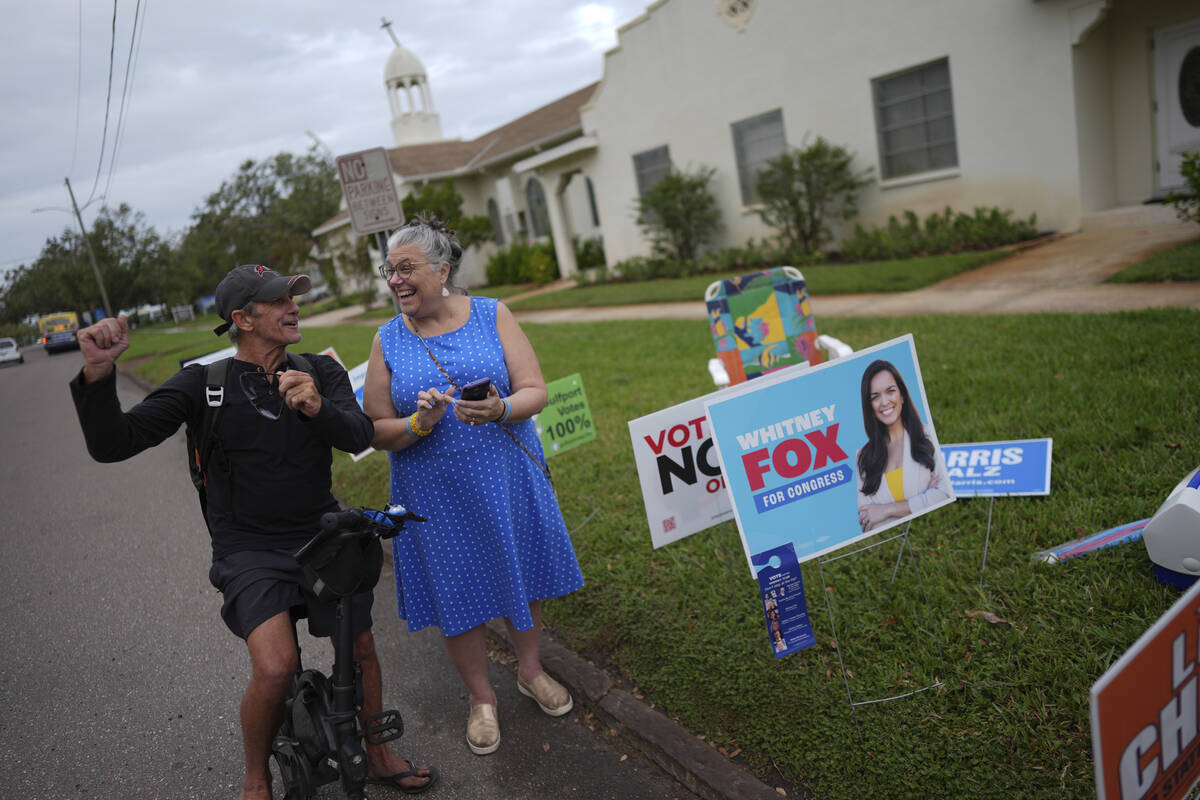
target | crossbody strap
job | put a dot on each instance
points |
(545, 468)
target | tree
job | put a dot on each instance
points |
(265, 213)
(679, 213)
(443, 201)
(135, 263)
(806, 189)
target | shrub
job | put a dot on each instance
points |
(522, 262)
(946, 232)
(806, 189)
(1187, 204)
(750, 258)
(641, 268)
(588, 252)
(679, 213)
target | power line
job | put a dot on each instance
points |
(18, 260)
(130, 68)
(78, 89)
(112, 51)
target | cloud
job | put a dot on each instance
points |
(219, 82)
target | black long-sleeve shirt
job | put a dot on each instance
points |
(277, 483)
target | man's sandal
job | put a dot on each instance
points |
(393, 781)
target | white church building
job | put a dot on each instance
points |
(1067, 109)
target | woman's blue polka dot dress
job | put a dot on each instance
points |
(495, 540)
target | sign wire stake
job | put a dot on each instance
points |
(838, 648)
(900, 555)
(904, 542)
(987, 537)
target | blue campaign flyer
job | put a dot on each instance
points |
(999, 469)
(822, 457)
(784, 607)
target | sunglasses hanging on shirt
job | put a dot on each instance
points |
(262, 390)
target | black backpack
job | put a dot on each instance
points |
(200, 440)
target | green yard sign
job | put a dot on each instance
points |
(566, 421)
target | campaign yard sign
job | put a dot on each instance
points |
(789, 446)
(566, 421)
(682, 486)
(999, 469)
(1144, 713)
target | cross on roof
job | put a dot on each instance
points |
(387, 25)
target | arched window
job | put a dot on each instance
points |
(494, 216)
(591, 193)
(535, 198)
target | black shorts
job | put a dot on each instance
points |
(258, 584)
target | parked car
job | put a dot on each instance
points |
(10, 351)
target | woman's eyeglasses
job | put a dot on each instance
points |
(405, 268)
(262, 390)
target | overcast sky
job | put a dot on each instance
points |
(217, 82)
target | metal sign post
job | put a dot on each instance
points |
(371, 198)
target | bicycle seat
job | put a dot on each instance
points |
(340, 567)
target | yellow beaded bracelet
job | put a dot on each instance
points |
(417, 431)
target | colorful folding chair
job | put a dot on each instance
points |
(762, 322)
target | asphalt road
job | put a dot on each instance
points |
(118, 679)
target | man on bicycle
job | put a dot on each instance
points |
(267, 484)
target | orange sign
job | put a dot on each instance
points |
(1144, 712)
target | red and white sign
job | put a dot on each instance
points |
(1144, 712)
(682, 484)
(370, 192)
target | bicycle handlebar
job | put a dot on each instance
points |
(364, 521)
(385, 524)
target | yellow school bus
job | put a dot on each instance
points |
(58, 330)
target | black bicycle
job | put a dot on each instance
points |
(320, 740)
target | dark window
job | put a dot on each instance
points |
(651, 166)
(755, 142)
(1189, 87)
(535, 198)
(914, 116)
(591, 193)
(494, 216)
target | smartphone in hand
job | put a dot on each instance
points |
(476, 390)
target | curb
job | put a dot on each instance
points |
(696, 765)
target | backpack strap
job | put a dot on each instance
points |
(200, 442)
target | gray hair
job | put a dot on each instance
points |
(433, 238)
(250, 310)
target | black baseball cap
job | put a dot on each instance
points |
(254, 282)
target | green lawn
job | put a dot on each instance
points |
(1180, 263)
(682, 625)
(822, 279)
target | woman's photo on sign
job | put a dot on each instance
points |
(901, 470)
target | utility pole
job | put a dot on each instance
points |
(91, 255)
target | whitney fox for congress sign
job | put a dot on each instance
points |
(823, 457)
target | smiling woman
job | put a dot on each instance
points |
(900, 471)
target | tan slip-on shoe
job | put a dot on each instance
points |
(550, 695)
(483, 729)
